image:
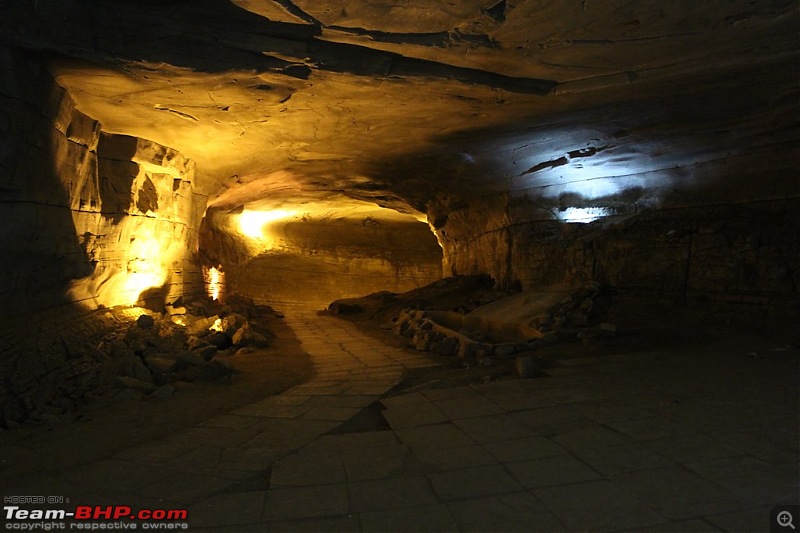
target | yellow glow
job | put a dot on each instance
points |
(217, 325)
(145, 270)
(251, 223)
(138, 282)
(215, 282)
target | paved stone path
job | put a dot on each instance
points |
(613, 443)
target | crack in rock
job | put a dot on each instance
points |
(566, 158)
(181, 114)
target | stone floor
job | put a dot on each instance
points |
(623, 443)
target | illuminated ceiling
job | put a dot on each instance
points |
(283, 104)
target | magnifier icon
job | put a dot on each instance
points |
(785, 519)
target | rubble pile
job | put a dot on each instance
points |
(577, 316)
(125, 353)
(186, 343)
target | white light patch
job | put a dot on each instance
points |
(583, 215)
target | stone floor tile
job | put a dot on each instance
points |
(677, 493)
(352, 441)
(123, 476)
(468, 407)
(597, 506)
(306, 502)
(692, 448)
(510, 512)
(523, 449)
(306, 469)
(284, 399)
(546, 420)
(493, 428)
(591, 437)
(374, 462)
(390, 494)
(450, 393)
(756, 519)
(519, 400)
(404, 400)
(214, 436)
(231, 421)
(751, 480)
(435, 518)
(656, 427)
(551, 471)
(420, 414)
(250, 458)
(227, 509)
(107, 497)
(608, 412)
(290, 433)
(337, 524)
(758, 445)
(454, 458)
(325, 412)
(570, 395)
(377, 387)
(355, 400)
(187, 487)
(158, 452)
(274, 411)
(473, 482)
(435, 436)
(617, 459)
(696, 525)
(418, 363)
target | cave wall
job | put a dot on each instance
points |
(87, 220)
(737, 251)
(746, 253)
(314, 262)
(85, 216)
(684, 189)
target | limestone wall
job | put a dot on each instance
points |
(86, 217)
(742, 252)
(87, 220)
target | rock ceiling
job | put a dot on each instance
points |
(283, 102)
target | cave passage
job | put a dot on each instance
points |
(401, 266)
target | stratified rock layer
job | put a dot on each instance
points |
(88, 217)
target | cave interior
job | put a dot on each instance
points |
(297, 153)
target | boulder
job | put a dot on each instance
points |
(206, 352)
(527, 366)
(245, 336)
(216, 369)
(161, 363)
(133, 367)
(187, 358)
(504, 350)
(145, 322)
(447, 347)
(136, 385)
(164, 391)
(608, 329)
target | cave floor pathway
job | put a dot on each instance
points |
(649, 442)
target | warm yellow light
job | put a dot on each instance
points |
(215, 282)
(251, 223)
(137, 282)
(217, 325)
